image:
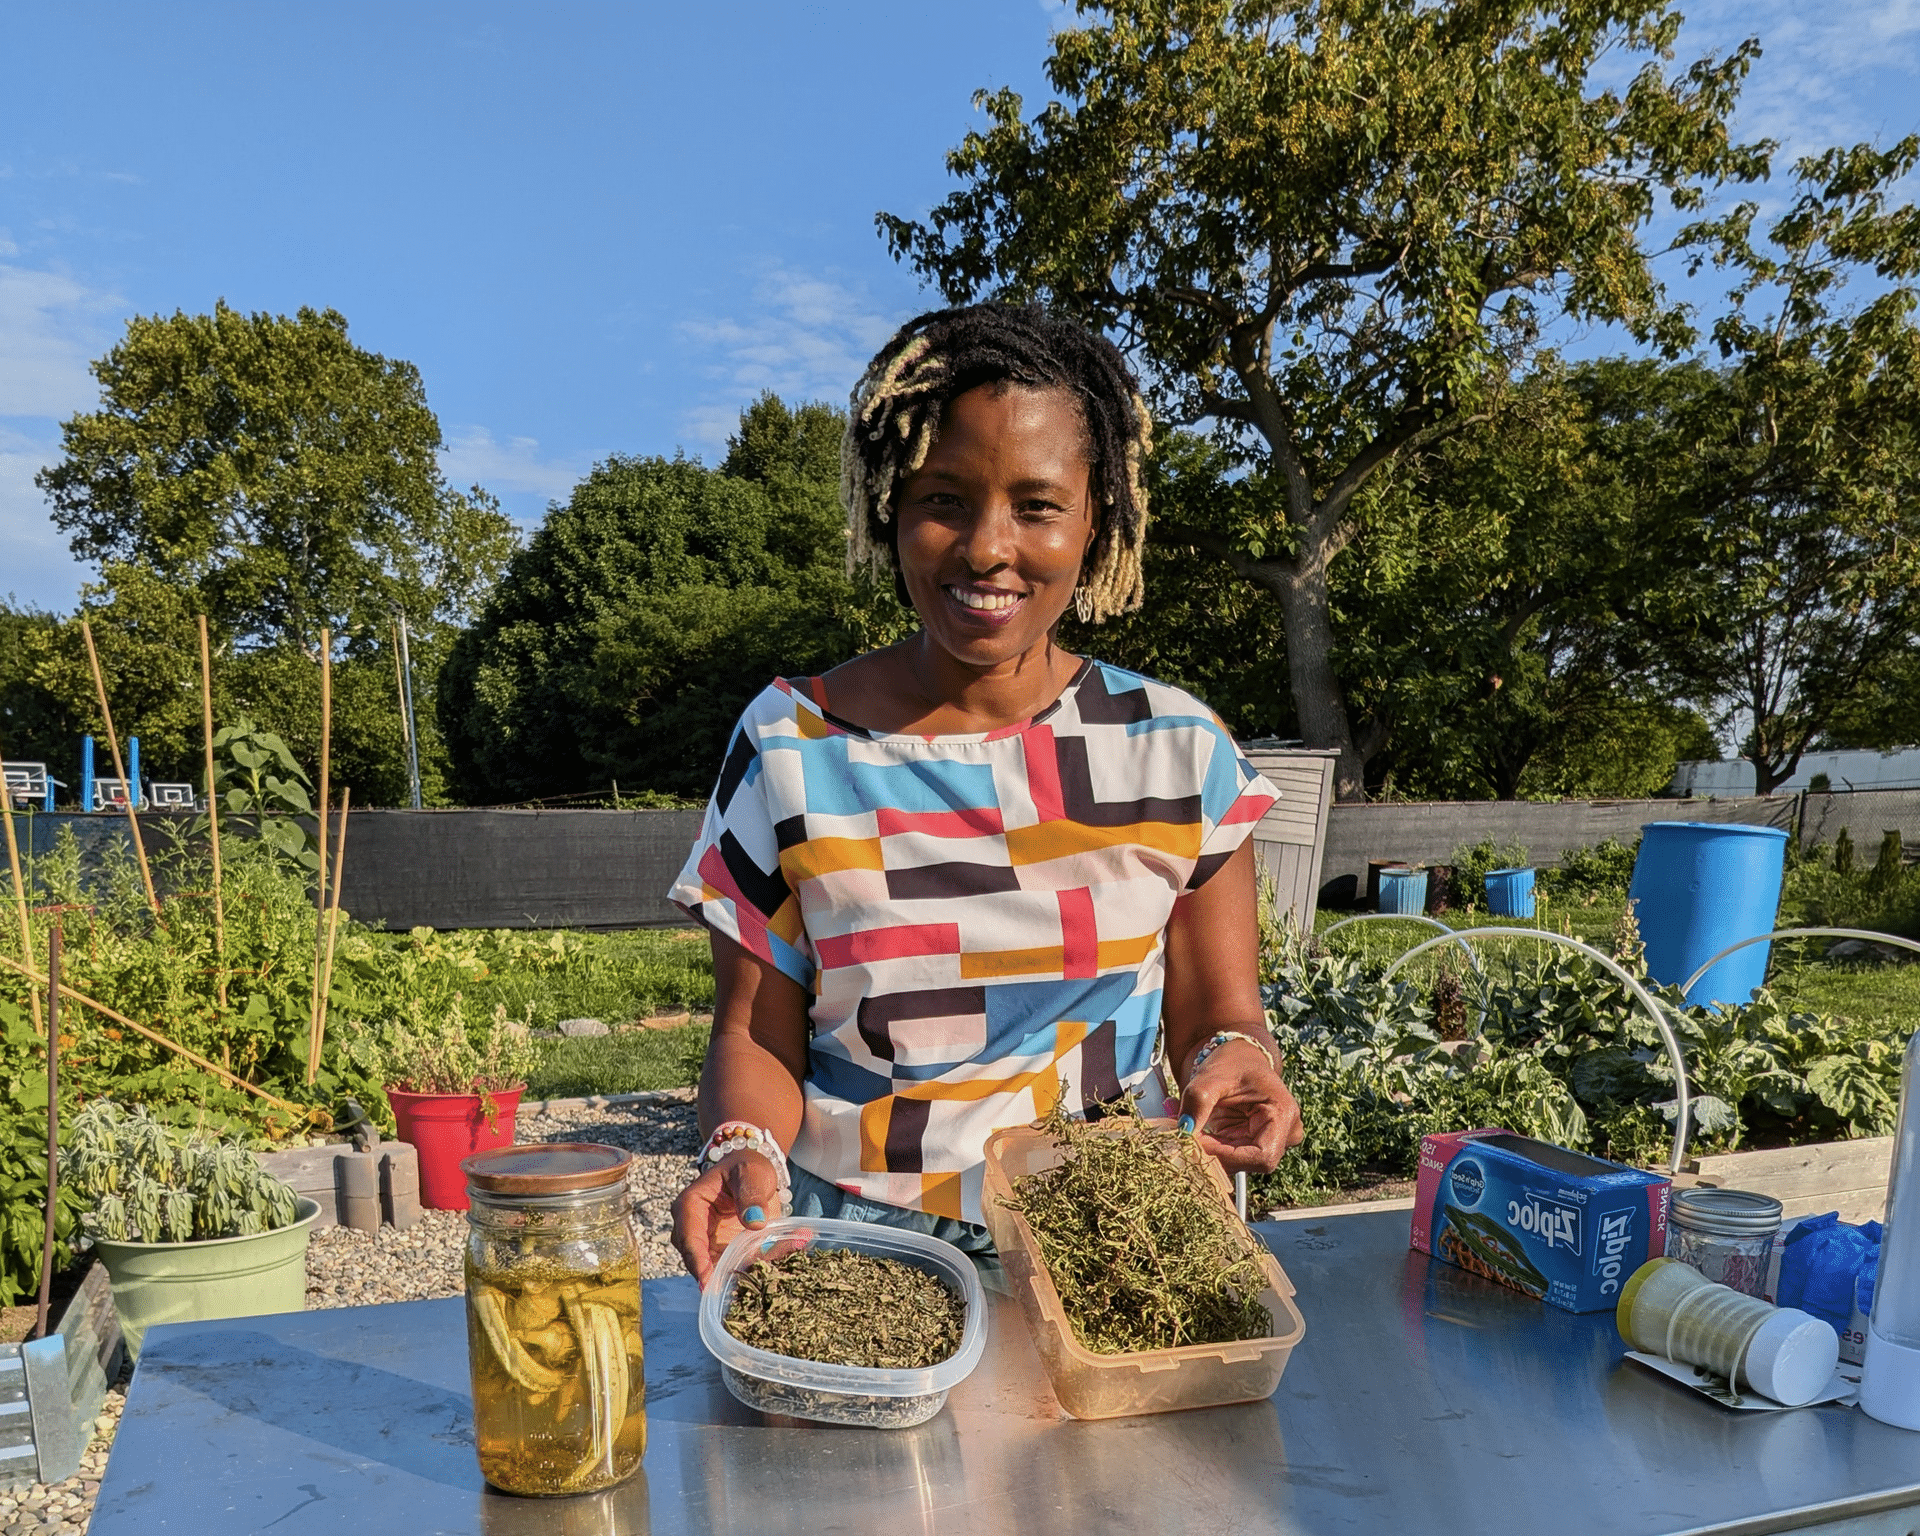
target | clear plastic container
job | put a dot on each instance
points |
(841, 1394)
(1726, 1234)
(1091, 1386)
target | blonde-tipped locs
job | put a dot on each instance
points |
(894, 415)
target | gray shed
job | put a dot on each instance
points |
(1292, 837)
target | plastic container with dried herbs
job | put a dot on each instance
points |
(1099, 1383)
(871, 1396)
(553, 1318)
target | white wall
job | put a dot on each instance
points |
(1898, 769)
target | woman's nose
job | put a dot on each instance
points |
(988, 542)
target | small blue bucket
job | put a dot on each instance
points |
(1403, 892)
(1510, 892)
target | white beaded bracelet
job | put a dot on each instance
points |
(738, 1136)
(1214, 1042)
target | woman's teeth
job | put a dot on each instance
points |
(986, 601)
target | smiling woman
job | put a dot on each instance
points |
(952, 882)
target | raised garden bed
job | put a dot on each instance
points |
(1845, 1176)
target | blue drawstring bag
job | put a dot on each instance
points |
(1820, 1266)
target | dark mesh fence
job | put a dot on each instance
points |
(469, 869)
(611, 869)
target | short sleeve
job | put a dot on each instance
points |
(732, 881)
(1233, 798)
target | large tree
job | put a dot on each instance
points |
(623, 642)
(288, 478)
(1525, 602)
(1334, 229)
(1811, 497)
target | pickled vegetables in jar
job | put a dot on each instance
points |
(553, 1318)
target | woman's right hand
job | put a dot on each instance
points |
(740, 1192)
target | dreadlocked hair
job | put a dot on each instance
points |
(894, 415)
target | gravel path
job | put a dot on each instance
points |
(355, 1269)
(360, 1269)
(63, 1509)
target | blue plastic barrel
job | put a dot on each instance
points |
(1701, 886)
(1403, 891)
(1510, 892)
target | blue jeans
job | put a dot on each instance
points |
(814, 1196)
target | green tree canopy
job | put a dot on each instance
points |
(286, 477)
(625, 639)
(1334, 229)
(268, 473)
(1811, 492)
(1526, 601)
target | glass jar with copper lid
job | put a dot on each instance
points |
(553, 1318)
(1726, 1234)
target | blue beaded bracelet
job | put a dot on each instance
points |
(1214, 1042)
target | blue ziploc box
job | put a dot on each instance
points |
(1558, 1225)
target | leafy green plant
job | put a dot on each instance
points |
(1830, 890)
(436, 1050)
(257, 776)
(1562, 1052)
(142, 1181)
(1591, 874)
(23, 1167)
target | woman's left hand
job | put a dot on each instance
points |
(1240, 1110)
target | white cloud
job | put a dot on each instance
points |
(34, 564)
(806, 339)
(50, 327)
(509, 467)
(1828, 74)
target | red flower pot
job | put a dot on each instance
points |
(444, 1128)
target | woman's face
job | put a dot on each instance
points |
(994, 526)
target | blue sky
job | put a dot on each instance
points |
(595, 228)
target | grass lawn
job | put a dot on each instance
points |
(1888, 993)
(623, 977)
(1861, 992)
(617, 977)
(628, 1062)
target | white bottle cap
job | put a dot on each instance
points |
(1791, 1358)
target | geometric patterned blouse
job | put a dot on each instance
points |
(979, 918)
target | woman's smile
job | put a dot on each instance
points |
(986, 605)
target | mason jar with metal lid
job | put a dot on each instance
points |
(553, 1318)
(1726, 1234)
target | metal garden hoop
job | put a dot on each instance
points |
(1801, 933)
(1683, 1098)
(1473, 959)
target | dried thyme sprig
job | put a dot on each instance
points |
(845, 1308)
(1139, 1247)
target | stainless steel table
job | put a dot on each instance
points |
(1423, 1400)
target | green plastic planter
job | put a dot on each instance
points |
(218, 1277)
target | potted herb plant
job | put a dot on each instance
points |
(187, 1226)
(451, 1097)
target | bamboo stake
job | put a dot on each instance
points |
(133, 790)
(19, 894)
(156, 1037)
(53, 1126)
(213, 810)
(333, 929)
(320, 886)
